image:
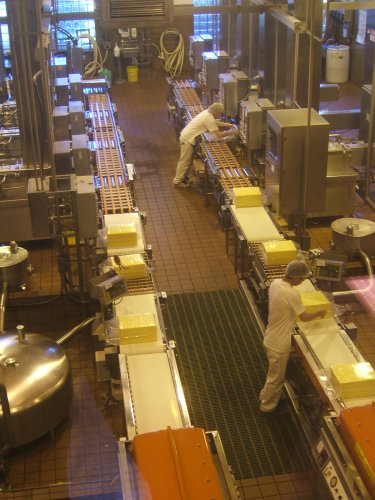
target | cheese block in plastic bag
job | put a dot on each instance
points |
(121, 235)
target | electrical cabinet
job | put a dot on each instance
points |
(295, 179)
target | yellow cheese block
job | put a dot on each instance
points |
(315, 301)
(247, 197)
(353, 381)
(278, 252)
(137, 328)
(131, 266)
(122, 235)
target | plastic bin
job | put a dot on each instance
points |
(337, 63)
(132, 73)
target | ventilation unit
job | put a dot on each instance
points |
(119, 13)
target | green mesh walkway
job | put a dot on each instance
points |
(222, 365)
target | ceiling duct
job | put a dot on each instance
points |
(117, 13)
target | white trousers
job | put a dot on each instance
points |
(271, 392)
(185, 162)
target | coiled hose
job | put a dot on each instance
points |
(173, 61)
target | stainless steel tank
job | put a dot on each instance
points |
(351, 235)
(37, 375)
(13, 266)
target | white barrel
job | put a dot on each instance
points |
(337, 63)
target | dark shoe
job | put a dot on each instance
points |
(188, 181)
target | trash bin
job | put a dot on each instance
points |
(337, 63)
(132, 72)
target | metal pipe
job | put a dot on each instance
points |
(370, 138)
(276, 63)
(309, 99)
(370, 275)
(3, 298)
(370, 202)
(295, 69)
(71, 333)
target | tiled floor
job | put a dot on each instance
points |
(189, 250)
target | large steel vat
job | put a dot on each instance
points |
(351, 234)
(37, 375)
(13, 266)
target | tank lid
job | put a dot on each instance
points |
(355, 228)
(8, 258)
(31, 371)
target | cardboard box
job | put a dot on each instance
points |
(131, 266)
(353, 380)
(247, 197)
(122, 235)
(280, 252)
(137, 328)
(316, 300)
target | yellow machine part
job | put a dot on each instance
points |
(175, 464)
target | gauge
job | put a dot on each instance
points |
(333, 482)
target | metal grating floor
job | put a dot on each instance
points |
(222, 364)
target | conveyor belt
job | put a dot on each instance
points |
(272, 272)
(187, 99)
(111, 179)
(185, 92)
(101, 111)
(140, 286)
(219, 156)
(223, 164)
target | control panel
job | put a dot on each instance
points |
(107, 287)
(330, 475)
(329, 266)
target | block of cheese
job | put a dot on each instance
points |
(137, 328)
(247, 197)
(122, 235)
(354, 380)
(278, 252)
(130, 266)
(315, 301)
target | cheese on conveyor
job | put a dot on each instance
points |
(247, 197)
(277, 253)
(121, 235)
(138, 245)
(353, 381)
(141, 304)
(255, 224)
(316, 300)
(136, 328)
(131, 266)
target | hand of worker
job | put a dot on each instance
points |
(321, 313)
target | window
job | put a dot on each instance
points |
(5, 37)
(74, 6)
(3, 9)
(75, 28)
(70, 26)
(207, 23)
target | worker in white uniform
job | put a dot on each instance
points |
(284, 307)
(206, 121)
